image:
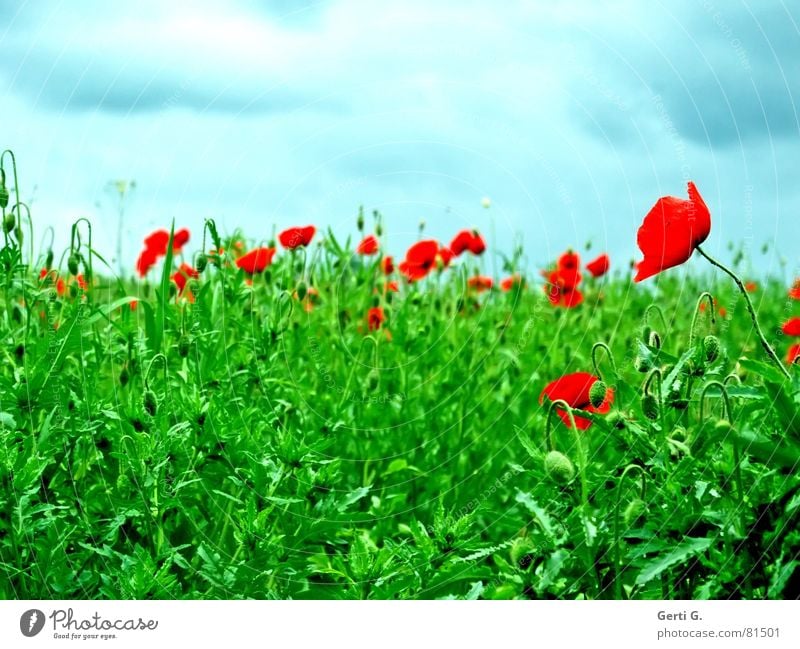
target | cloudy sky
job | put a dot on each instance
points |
(573, 117)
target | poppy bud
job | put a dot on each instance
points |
(646, 331)
(559, 467)
(711, 347)
(634, 513)
(9, 222)
(373, 380)
(616, 419)
(722, 428)
(650, 406)
(3, 196)
(124, 376)
(48, 262)
(642, 364)
(378, 229)
(73, 291)
(183, 346)
(679, 434)
(202, 263)
(597, 393)
(150, 402)
(655, 340)
(521, 550)
(360, 219)
(73, 261)
(302, 291)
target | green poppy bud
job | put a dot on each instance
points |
(654, 340)
(373, 380)
(184, 345)
(634, 513)
(150, 402)
(642, 364)
(521, 550)
(360, 219)
(3, 196)
(722, 429)
(679, 434)
(616, 419)
(650, 406)
(302, 291)
(378, 229)
(202, 263)
(73, 262)
(597, 393)
(124, 377)
(48, 262)
(9, 222)
(711, 347)
(559, 467)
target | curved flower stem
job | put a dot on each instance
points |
(655, 373)
(617, 550)
(657, 309)
(726, 402)
(703, 296)
(595, 348)
(748, 302)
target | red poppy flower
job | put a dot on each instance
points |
(793, 354)
(569, 261)
(256, 260)
(420, 258)
(391, 287)
(388, 265)
(480, 283)
(61, 287)
(574, 389)
(510, 282)
(157, 242)
(43, 273)
(671, 231)
(794, 292)
(182, 275)
(468, 240)
(561, 288)
(368, 245)
(750, 287)
(445, 256)
(147, 259)
(599, 266)
(791, 327)
(81, 282)
(375, 318)
(296, 237)
(180, 239)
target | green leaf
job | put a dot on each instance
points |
(686, 549)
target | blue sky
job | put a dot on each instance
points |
(572, 117)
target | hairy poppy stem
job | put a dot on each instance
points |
(737, 460)
(703, 296)
(748, 302)
(617, 546)
(595, 348)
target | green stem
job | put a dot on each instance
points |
(703, 296)
(748, 302)
(617, 547)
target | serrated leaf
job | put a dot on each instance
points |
(687, 548)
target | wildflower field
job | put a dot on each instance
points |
(322, 416)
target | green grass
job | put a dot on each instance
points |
(242, 446)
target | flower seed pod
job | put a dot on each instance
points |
(635, 513)
(597, 393)
(559, 467)
(73, 262)
(711, 348)
(9, 222)
(642, 365)
(150, 402)
(521, 550)
(650, 406)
